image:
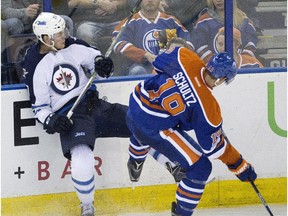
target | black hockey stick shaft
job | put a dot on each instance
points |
(108, 52)
(253, 184)
(260, 197)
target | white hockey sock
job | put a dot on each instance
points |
(160, 157)
(82, 173)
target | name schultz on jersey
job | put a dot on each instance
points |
(184, 88)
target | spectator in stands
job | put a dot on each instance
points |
(243, 60)
(60, 7)
(186, 11)
(96, 20)
(211, 20)
(249, 7)
(139, 43)
(17, 17)
(15, 20)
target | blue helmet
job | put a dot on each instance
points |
(222, 65)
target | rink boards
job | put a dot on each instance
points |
(34, 172)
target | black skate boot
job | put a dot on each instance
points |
(177, 172)
(135, 169)
(173, 209)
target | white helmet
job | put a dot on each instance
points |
(48, 24)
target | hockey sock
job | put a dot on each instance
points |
(190, 189)
(188, 195)
(136, 151)
(82, 173)
(160, 157)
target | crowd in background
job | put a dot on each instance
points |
(99, 21)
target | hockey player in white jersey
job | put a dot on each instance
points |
(56, 71)
(54, 85)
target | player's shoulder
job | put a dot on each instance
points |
(190, 56)
(73, 40)
(137, 17)
(179, 53)
(32, 56)
(167, 16)
(32, 51)
(204, 17)
(250, 61)
(247, 57)
(75, 47)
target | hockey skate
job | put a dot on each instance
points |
(134, 169)
(173, 209)
(177, 172)
(87, 209)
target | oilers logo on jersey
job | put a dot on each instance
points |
(65, 78)
(150, 41)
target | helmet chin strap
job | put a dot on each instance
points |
(219, 81)
(216, 83)
(51, 45)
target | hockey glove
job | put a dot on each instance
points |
(103, 66)
(57, 123)
(243, 170)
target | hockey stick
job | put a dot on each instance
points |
(108, 52)
(253, 185)
(260, 197)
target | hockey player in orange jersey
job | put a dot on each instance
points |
(178, 99)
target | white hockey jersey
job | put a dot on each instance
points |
(60, 76)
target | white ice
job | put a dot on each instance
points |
(248, 210)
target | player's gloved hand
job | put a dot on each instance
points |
(103, 66)
(243, 170)
(57, 123)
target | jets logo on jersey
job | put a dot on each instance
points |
(150, 41)
(65, 78)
